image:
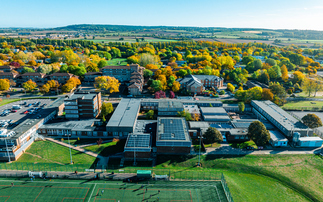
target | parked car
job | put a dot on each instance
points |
(29, 105)
(14, 110)
(26, 112)
(24, 103)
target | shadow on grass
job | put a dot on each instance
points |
(109, 150)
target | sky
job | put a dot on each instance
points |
(273, 14)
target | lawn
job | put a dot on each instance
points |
(214, 145)
(244, 145)
(7, 101)
(82, 141)
(303, 104)
(49, 152)
(107, 149)
(115, 62)
(261, 177)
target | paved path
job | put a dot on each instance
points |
(226, 149)
(86, 145)
(102, 160)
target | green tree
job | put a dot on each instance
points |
(271, 62)
(279, 92)
(312, 121)
(241, 106)
(258, 133)
(103, 63)
(185, 114)
(150, 114)
(156, 85)
(257, 64)
(148, 73)
(27, 70)
(212, 135)
(106, 108)
(230, 87)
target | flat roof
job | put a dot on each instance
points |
(170, 104)
(198, 124)
(310, 139)
(277, 136)
(138, 140)
(84, 95)
(172, 129)
(125, 114)
(73, 125)
(192, 109)
(217, 117)
(280, 115)
(215, 110)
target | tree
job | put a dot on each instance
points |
(46, 69)
(212, 135)
(267, 94)
(258, 133)
(312, 121)
(29, 85)
(284, 72)
(257, 64)
(146, 58)
(230, 87)
(150, 114)
(45, 88)
(103, 63)
(148, 73)
(279, 92)
(274, 72)
(67, 87)
(185, 114)
(27, 70)
(176, 86)
(107, 83)
(196, 117)
(271, 62)
(241, 106)
(155, 86)
(308, 85)
(298, 77)
(4, 84)
(106, 108)
(171, 94)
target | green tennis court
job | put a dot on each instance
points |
(78, 190)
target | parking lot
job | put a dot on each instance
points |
(18, 116)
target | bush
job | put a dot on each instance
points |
(222, 92)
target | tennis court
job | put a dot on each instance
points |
(78, 190)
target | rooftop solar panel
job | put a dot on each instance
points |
(138, 140)
(173, 129)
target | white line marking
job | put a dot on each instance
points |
(92, 192)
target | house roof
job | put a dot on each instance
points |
(62, 74)
(93, 73)
(33, 74)
(8, 73)
(116, 67)
(7, 67)
(135, 85)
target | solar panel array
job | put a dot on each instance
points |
(173, 129)
(138, 140)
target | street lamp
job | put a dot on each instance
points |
(68, 137)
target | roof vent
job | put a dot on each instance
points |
(172, 135)
(171, 122)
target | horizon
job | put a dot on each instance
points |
(277, 14)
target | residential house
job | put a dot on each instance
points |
(197, 83)
(38, 78)
(7, 68)
(62, 78)
(8, 75)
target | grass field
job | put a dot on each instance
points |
(261, 177)
(307, 104)
(63, 190)
(49, 152)
(7, 101)
(115, 62)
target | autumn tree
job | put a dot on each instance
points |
(71, 84)
(308, 86)
(212, 135)
(107, 83)
(176, 86)
(171, 94)
(146, 58)
(29, 85)
(258, 133)
(4, 84)
(148, 73)
(196, 117)
(298, 77)
(279, 93)
(230, 87)
(312, 121)
(284, 72)
(267, 94)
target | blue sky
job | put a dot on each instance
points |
(274, 14)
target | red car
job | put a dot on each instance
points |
(13, 110)
(26, 112)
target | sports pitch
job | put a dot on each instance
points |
(90, 191)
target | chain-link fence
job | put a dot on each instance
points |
(226, 189)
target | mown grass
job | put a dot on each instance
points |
(291, 104)
(261, 177)
(115, 62)
(49, 152)
(7, 101)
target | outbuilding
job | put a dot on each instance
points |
(277, 139)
